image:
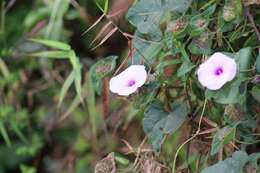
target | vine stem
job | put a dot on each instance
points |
(184, 54)
(190, 139)
(251, 19)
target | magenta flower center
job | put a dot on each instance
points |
(219, 71)
(131, 83)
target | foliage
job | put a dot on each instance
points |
(170, 124)
(234, 164)
(157, 122)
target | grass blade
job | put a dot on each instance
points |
(52, 54)
(78, 85)
(74, 61)
(106, 37)
(4, 134)
(102, 5)
(4, 69)
(53, 44)
(91, 103)
(94, 24)
(75, 103)
(77, 72)
(18, 132)
(106, 7)
(65, 87)
(101, 32)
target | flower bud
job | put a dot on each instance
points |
(200, 22)
(229, 13)
(176, 26)
(103, 69)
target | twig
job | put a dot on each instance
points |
(138, 153)
(93, 25)
(129, 55)
(190, 139)
(251, 19)
(105, 98)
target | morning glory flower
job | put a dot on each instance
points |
(216, 71)
(128, 81)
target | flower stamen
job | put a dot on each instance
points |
(131, 83)
(218, 71)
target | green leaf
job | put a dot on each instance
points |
(199, 23)
(55, 28)
(101, 69)
(161, 66)
(250, 41)
(76, 101)
(233, 11)
(76, 72)
(102, 5)
(121, 160)
(35, 16)
(5, 134)
(234, 164)
(92, 108)
(53, 44)
(234, 91)
(180, 6)
(78, 84)
(32, 148)
(104, 66)
(27, 169)
(17, 130)
(74, 61)
(201, 45)
(229, 94)
(243, 57)
(221, 138)
(185, 68)
(52, 54)
(253, 162)
(65, 87)
(178, 27)
(4, 69)
(256, 93)
(147, 50)
(146, 15)
(158, 123)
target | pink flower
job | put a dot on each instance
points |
(216, 71)
(128, 81)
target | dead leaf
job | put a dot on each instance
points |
(106, 165)
(106, 37)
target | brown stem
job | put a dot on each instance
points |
(251, 19)
(105, 97)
